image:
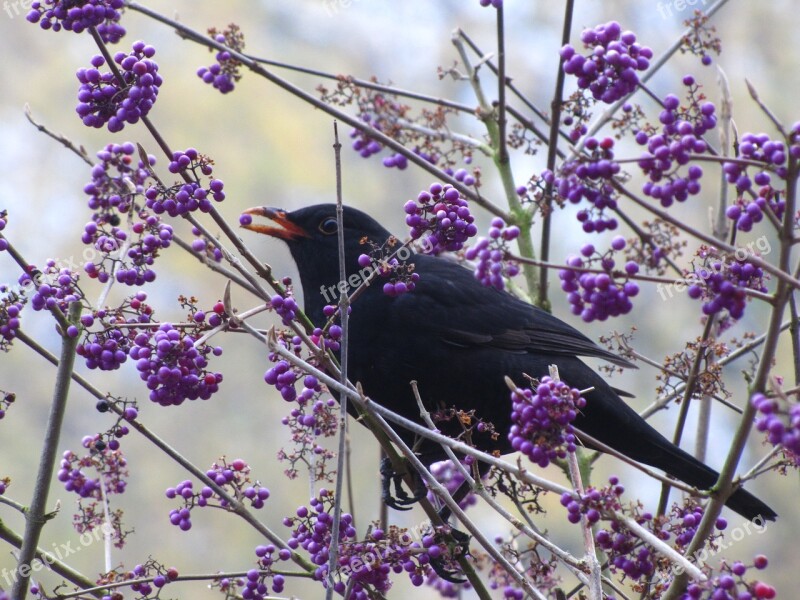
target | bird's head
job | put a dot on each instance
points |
(311, 234)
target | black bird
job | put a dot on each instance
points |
(459, 339)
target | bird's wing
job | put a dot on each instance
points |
(465, 313)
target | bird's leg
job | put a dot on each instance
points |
(400, 500)
(457, 543)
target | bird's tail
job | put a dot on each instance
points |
(687, 468)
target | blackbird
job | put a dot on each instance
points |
(459, 339)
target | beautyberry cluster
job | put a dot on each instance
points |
(781, 422)
(493, 267)
(542, 421)
(10, 310)
(609, 71)
(669, 151)
(254, 584)
(391, 263)
(107, 348)
(105, 100)
(447, 474)
(111, 466)
(234, 478)
(56, 287)
(590, 179)
(79, 16)
(312, 419)
(758, 147)
(362, 564)
(224, 73)
(173, 367)
(685, 521)
(116, 180)
(183, 198)
(441, 214)
(134, 266)
(593, 502)
(286, 307)
(598, 296)
(723, 285)
(160, 575)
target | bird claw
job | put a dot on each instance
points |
(400, 500)
(458, 545)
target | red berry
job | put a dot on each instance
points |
(762, 590)
(238, 464)
(219, 308)
(760, 562)
(172, 573)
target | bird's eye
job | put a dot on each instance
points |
(329, 226)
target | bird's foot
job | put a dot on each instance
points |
(444, 565)
(400, 500)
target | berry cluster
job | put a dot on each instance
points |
(363, 565)
(286, 307)
(731, 584)
(598, 296)
(224, 73)
(593, 502)
(773, 154)
(116, 181)
(447, 474)
(590, 179)
(391, 263)
(493, 267)
(173, 367)
(183, 198)
(759, 148)
(542, 421)
(254, 583)
(151, 237)
(441, 214)
(364, 144)
(609, 71)
(55, 287)
(79, 16)
(110, 466)
(234, 478)
(395, 160)
(104, 99)
(781, 422)
(723, 285)
(307, 423)
(151, 569)
(107, 348)
(10, 309)
(493, 3)
(685, 521)
(671, 149)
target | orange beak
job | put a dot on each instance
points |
(286, 230)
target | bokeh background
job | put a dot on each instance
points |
(272, 149)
